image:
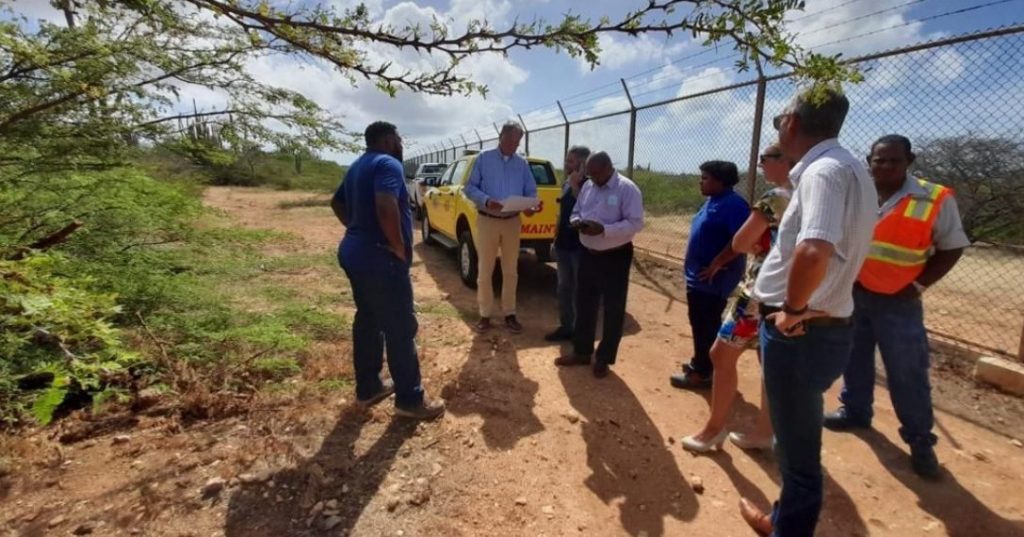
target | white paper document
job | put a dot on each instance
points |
(514, 204)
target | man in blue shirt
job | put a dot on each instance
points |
(373, 205)
(498, 174)
(567, 243)
(712, 229)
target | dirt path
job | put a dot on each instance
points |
(526, 449)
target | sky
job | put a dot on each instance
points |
(922, 89)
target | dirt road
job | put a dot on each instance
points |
(526, 448)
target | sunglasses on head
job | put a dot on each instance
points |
(770, 156)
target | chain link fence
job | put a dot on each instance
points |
(960, 100)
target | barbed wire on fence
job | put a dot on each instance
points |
(961, 99)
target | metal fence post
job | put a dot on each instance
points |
(465, 144)
(755, 138)
(565, 148)
(632, 129)
(526, 133)
(480, 141)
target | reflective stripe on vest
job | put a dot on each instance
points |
(902, 241)
(897, 255)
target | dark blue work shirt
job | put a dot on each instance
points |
(711, 231)
(365, 247)
(566, 238)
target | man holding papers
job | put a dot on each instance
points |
(608, 214)
(500, 176)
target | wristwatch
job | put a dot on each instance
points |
(789, 310)
(919, 286)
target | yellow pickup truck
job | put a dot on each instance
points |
(449, 218)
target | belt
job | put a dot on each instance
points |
(766, 310)
(499, 217)
(610, 250)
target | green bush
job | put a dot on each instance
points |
(58, 325)
(215, 166)
(147, 252)
(666, 193)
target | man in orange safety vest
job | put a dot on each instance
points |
(918, 239)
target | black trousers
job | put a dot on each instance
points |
(705, 312)
(603, 276)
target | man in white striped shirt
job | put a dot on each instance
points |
(806, 291)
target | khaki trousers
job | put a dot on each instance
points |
(497, 235)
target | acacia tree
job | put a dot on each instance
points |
(75, 96)
(131, 57)
(987, 175)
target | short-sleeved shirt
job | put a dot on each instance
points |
(947, 231)
(711, 231)
(365, 247)
(835, 201)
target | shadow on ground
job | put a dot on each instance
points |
(349, 467)
(947, 500)
(629, 461)
(491, 383)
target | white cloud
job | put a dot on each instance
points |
(946, 66)
(418, 116)
(38, 10)
(618, 52)
(828, 21)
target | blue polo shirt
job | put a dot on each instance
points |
(711, 231)
(364, 247)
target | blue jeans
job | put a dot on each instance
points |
(896, 327)
(797, 372)
(385, 317)
(568, 276)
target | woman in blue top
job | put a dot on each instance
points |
(740, 323)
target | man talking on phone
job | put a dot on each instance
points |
(609, 212)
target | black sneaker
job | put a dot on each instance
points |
(924, 462)
(561, 334)
(841, 420)
(690, 381)
(387, 388)
(427, 410)
(601, 370)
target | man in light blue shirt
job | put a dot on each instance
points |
(498, 174)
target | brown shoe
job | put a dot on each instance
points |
(513, 324)
(755, 518)
(570, 360)
(483, 325)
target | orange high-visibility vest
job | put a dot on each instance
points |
(903, 241)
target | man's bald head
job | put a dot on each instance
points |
(600, 168)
